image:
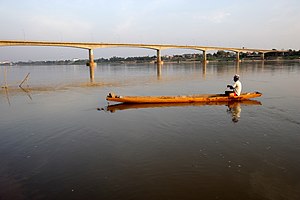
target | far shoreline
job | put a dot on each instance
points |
(36, 63)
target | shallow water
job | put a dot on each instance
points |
(56, 144)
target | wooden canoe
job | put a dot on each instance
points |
(182, 99)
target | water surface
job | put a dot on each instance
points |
(55, 144)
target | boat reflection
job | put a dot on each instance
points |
(233, 108)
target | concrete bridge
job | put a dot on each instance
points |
(90, 46)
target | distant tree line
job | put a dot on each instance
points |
(115, 59)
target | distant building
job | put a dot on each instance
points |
(5, 63)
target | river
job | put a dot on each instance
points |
(59, 139)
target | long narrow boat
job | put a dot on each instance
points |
(182, 99)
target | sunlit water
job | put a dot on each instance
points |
(56, 144)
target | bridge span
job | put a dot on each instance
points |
(90, 46)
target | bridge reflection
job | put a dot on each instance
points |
(207, 66)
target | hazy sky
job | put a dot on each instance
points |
(229, 23)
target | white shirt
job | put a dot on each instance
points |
(237, 87)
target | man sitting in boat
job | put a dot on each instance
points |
(236, 87)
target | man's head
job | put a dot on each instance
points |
(236, 78)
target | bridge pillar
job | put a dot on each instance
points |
(91, 65)
(91, 58)
(238, 56)
(158, 61)
(204, 57)
(262, 56)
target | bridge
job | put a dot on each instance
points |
(90, 46)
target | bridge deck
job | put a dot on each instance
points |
(94, 45)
